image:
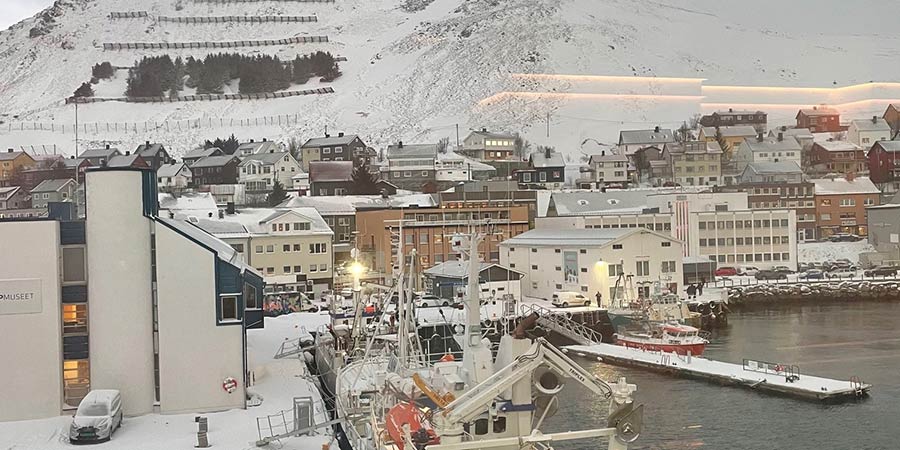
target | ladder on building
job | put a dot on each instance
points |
(562, 324)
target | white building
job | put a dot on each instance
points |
(173, 177)
(633, 140)
(866, 132)
(259, 171)
(607, 169)
(591, 260)
(768, 149)
(127, 300)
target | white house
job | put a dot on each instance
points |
(633, 140)
(259, 171)
(169, 306)
(594, 260)
(768, 149)
(609, 169)
(866, 132)
(174, 176)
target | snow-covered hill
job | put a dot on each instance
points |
(416, 75)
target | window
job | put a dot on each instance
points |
(339, 191)
(76, 381)
(286, 269)
(582, 251)
(298, 269)
(616, 270)
(286, 248)
(668, 266)
(869, 201)
(238, 247)
(297, 248)
(313, 268)
(643, 268)
(228, 309)
(270, 249)
(298, 226)
(74, 267)
(323, 267)
(848, 202)
(542, 175)
(320, 248)
(703, 242)
(74, 318)
(326, 150)
(270, 270)
(534, 267)
(702, 225)
(617, 246)
(825, 216)
(423, 238)
(250, 300)
(526, 177)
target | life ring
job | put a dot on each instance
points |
(229, 385)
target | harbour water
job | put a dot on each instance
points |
(836, 340)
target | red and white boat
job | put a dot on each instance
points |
(666, 337)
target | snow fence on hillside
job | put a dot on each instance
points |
(226, 44)
(202, 97)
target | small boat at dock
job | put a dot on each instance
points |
(666, 337)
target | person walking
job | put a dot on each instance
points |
(700, 286)
(599, 299)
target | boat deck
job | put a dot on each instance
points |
(763, 380)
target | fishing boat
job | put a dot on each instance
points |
(396, 396)
(666, 337)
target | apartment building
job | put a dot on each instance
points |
(768, 149)
(841, 204)
(430, 230)
(486, 145)
(12, 162)
(732, 135)
(731, 117)
(259, 171)
(836, 157)
(336, 148)
(695, 163)
(290, 247)
(594, 260)
(630, 141)
(410, 166)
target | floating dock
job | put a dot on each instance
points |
(761, 376)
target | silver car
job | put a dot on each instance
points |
(99, 414)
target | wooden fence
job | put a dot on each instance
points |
(129, 15)
(241, 19)
(106, 128)
(228, 44)
(202, 97)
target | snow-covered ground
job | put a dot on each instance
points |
(416, 75)
(277, 383)
(831, 251)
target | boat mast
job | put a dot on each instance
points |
(476, 356)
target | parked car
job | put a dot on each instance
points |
(749, 270)
(770, 275)
(567, 298)
(841, 273)
(98, 415)
(783, 269)
(430, 301)
(844, 237)
(813, 274)
(882, 271)
(726, 271)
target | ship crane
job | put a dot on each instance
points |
(625, 420)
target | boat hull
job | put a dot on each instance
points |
(681, 349)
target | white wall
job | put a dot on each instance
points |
(195, 355)
(121, 320)
(31, 386)
(640, 246)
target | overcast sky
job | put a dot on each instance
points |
(12, 11)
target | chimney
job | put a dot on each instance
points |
(730, 110)
(265, 139)
(484, 130)
(656, 129)
(400, 144)
(107, 146)
(251, 141)
(547, 152)
(874, 119)
(341, 134)
(127, 152)
(9, 150)
(148, 143)
(327, 135)
(759, 137)
(815, 107)
(602, 152)
(210, 215)
(780, 137)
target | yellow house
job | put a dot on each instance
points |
(12, 161)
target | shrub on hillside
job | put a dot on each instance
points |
(103, 70)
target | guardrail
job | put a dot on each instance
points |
(225, 44)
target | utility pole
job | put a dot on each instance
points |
(326, 130)
(548, 124)
(76, 140)
(457, 136)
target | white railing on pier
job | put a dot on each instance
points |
(563, 325)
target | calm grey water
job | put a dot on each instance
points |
(835, 340)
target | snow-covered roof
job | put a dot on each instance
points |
(693, 147)
(347, 204)
(838, 146)
(493, 135)
(472, 164)
(733, 131)
(780, 167)
(169, 170)
(214, 161)
(541, 159)
(889, 146)
(255, 220)
(73, 162)
(265, 158)
(9, 156)
(52, 185)
(202, 152)
(331, 140)
(148, 149)
(654, 136)
(258, 147)
(873, 124)
(99, 153)
(818, 111)
(586, 203)
(795, 132)
(724, 112)
(330, 171)
(769, 144)
(188, 204)
(460, 269)
(123, 160)
(575, 237)
(413, 151)
(607, 157)
(838, 186)
(7, 192)
(223, 250)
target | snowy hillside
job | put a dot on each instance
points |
(415, 75)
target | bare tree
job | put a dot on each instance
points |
(443, 144)
(520, 147)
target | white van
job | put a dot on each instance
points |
(565, 299)
(98, 415)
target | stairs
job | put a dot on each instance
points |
(561, 324)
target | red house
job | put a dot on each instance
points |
(839, 157)
(884, 162)
(819, 119)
